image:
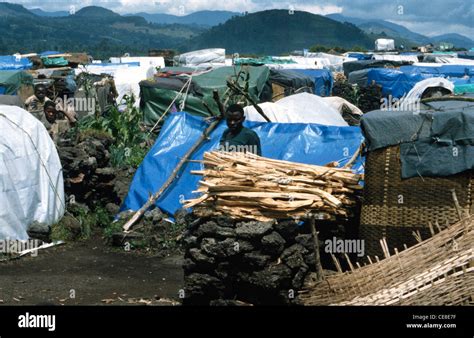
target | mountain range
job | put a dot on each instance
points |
(103, 32)
(377, 26)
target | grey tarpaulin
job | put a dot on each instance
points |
(437, 141)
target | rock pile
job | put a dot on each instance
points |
(88, 175)
(234, 262)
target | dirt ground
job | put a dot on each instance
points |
(90, 273)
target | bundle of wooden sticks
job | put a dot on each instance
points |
(252, 187)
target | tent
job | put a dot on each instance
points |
(291, 81)
(353, 66)
(398, 58)
(437, 69)
(303, 108)
(384, 44)
(127, 76)
(305, 143)
(323, 80)
(426, 138)
(395, 82)
(11, 62)
(31, 179)
(12, 80)
(202, 58)
(154, 100)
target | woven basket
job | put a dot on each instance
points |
(394, 207)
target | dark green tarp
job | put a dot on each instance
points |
(436, 141)
(154, 100)
(12, 80)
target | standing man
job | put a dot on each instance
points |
(237, 137)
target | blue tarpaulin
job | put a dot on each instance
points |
(360, 56)
(298, 142)
(323, 80)
(10, 62)
(395, 82)
(443, 70)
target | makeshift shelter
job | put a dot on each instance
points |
(127, 76)
(12, 62)
(305, 143)
(304, 108)
(359, 77)
(415, 161)
(291, 82)
(353, 66)
(323, 80)
(398, 58)
(384, 44)
(395, 82)
(16, 82)
(439, 70)
(202, 58)
(31, 179)
(156, 97)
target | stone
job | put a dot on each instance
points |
(273, 243)
(256, 259)
(200, 257)
(212, 229)
(222, 249)
(253, 230)
(287, 229)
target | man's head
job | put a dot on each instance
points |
(40, 91)
(235, 117)
(50, 111)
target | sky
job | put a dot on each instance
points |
(433, 17)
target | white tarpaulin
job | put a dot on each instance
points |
(300, 108)
(384, 44)
(126, 77)
(390, 57)
(453, 61)
(145, 61)
(330, 61)
(417, 91)
(202, 57)
(31, 179)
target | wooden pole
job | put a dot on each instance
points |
(247, 96)
(317, 259)
(173, 175)
(456, 204)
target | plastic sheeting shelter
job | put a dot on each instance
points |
(305, 143)
(127, 76)
(384, 44)
(11, 62)
(323, 80)
(439, 70)
(303, 108)
(12, 80)
(395, 82)
(31, 179)
(155, 100)
(203, 57)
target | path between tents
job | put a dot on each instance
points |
(92, 273)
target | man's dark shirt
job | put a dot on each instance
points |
(245, 140)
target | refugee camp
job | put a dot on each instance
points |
(295, 155)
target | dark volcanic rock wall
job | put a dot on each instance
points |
(227, 261)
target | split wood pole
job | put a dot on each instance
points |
(317, 259)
